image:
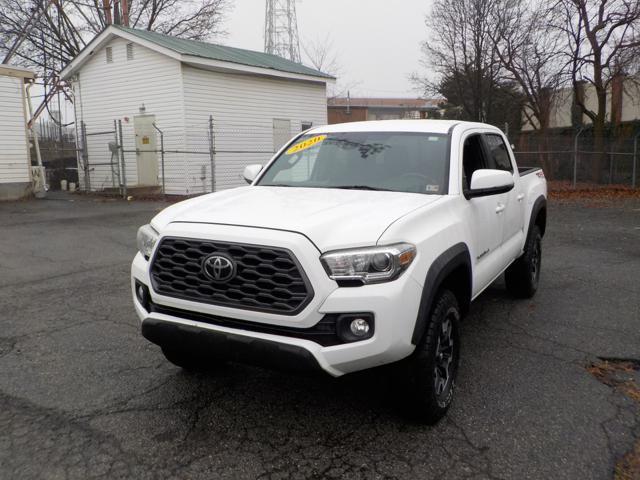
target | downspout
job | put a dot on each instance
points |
(40, 186)
(635, 160)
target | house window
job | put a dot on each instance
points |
(306, 126)
(129, 51)
(109, 54)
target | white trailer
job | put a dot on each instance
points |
(15, 163)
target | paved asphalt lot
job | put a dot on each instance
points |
(83, 395)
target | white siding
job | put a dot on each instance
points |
(115, 91)
(182, 98)
(14, 152)
(243, 108)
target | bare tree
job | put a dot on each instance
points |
(531, 54)
(603, 39)
(321, 55)
(460, 50)
(61, 32)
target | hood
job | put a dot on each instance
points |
(330, 218)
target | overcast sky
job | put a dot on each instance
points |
(377, 41)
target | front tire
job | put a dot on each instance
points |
(523, 276)
(431, 371)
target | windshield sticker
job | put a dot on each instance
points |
(433, 188)
(298, 147)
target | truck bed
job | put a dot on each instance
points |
(527, 170)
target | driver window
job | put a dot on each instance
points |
(498, 150)
(472, 159)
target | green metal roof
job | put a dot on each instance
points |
(224, 53)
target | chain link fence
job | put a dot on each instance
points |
(57, 146)
(172, 159)
(575, 156)
(207, 157)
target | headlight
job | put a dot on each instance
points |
(369, 265)
(147, 238)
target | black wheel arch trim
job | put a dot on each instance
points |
(450, 260)
(538, 206)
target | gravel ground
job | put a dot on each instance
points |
(83, 395)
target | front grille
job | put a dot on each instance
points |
(267, 279)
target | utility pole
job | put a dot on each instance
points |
(120, 12)
(281, 30)
(124, 6)
(106, 5)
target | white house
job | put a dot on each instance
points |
(152, 82)
(15, 163)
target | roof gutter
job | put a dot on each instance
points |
(40, 186)
(231, 67)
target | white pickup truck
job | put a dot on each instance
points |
(357, 245)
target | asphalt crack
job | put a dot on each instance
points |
(623, 376)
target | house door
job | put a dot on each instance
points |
(146, 149)
(281, 133)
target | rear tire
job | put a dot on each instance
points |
(430, 372)
(523, 276)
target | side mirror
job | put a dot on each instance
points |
(487, 182)
(251, 172)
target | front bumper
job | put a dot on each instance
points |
(394, 306)
(230, 346)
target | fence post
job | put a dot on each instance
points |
(212, 154)
(635, 160)
(85, 157)
(161, 155)
(611, 161)
(114, 154)
(575, 157)
(124, 169)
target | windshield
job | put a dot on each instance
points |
(394, 161)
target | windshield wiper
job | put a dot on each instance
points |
(362, 187)
(341, 187)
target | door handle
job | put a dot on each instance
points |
(500, 208)
(520, 197)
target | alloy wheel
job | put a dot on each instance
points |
(535, 262)
(443, 371)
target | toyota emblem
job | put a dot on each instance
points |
(219, 268)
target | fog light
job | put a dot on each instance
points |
(142, 294)
(355, 327)
(359, 327)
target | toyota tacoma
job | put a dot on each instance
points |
(358, 245)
